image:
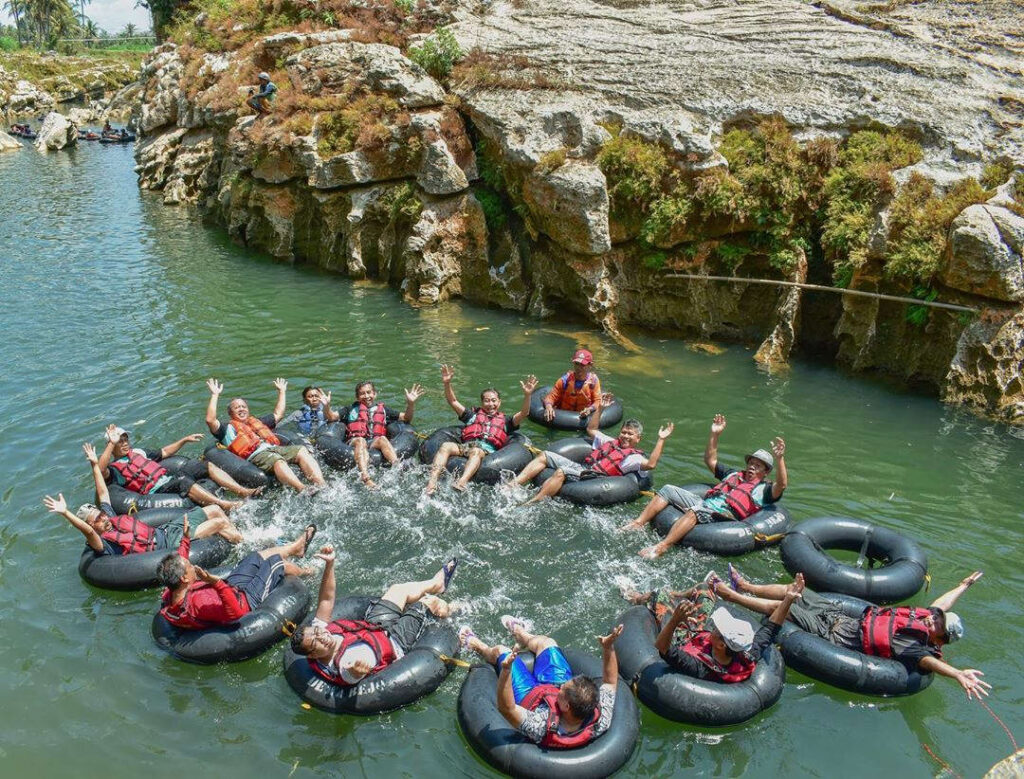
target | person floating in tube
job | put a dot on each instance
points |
(252, 438)
(316, 410)
(738, 494)
(578, 390)
(260, 101)
(549, 705)
(609, 457)
(346, 651)
(139, 470)
(486, 429)
(366, 423)
(196, 599)
(912, 636)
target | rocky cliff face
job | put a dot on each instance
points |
(498, 189)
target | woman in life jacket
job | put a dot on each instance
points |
(139, 470)
(366, 426)
(728, 651)
(913, 636)
(549, 705)
(577, 390)
(252, 438)
(737, 496)
(486, 429)
(346, 651)
(315, 411)
(608, 457)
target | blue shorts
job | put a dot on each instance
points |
(549, 667)
(256, 577)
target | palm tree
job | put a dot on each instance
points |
(15, 9)
(129, 31)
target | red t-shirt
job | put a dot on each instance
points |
(205, 605)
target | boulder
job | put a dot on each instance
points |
(570, 204)
(985, 253)
(26, 98)
(56, 132)
(985, 373)
(8, 143)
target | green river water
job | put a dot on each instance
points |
(117, 309)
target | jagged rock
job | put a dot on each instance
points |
(56, 133)
(195, 172)
(8, 143)
(774, 351)
(154, 157)
(985, 253)
(161, 75)
(570, 204)
(26, 98)
(449, 235)
(81, 117)
(986, 372)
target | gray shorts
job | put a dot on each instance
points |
(684, 500)
(572, 470)
(169, 536)
(822, 617)
(403, 627)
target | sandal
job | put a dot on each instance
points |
(512, 624)
(734, 577)
(466, 634)
(449, 572)
(310, 534)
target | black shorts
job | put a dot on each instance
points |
(180, 485)
(257, 577)
(404, 627)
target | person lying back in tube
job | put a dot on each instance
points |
(139, 470)
(196, 599)
(738, 494)
(609, 457)
(549, 705)
(728, 651)
(346, 651)
(577, 390)
(486, 429)
(366, 426)
(252, 438)
(912, 636)
(315, 412)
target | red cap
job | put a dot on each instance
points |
(583, 357)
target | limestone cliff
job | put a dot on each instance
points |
(585, 151)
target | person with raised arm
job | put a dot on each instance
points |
(366, 426)
(315, 410)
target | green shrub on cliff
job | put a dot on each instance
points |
(635, 170)
(438, 53)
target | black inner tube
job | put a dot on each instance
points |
(511, 458)
(338, 453)
(611, 414)
(596, 491)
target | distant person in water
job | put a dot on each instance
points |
(316, 410)
(252, 438)
(260, 100)
(139, 470)
(486, 429)
(366, 426)
(737, 496)
(578, 390)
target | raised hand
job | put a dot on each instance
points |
(778, 447)
(185, 526)
(111, 433)
(447, 373)
(606, 398)
(967, 581)
(509, 659)
(795, 591)
(325, 400)
(529, 385)
(969, 679)
(57, 505)
(360, 668)
(414, 393)
(666, 430)
(205, 575)
(718, 424)
(90, 453)
(281, 384)
(684, 611)
(193, 438)
(608, 641)
(215, 387)
(326, 554)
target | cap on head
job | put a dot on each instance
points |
(737, 633)
(264, 77)
(764, 456)
(954, 627)
(583, 357)
(85, 511)
(115, 436)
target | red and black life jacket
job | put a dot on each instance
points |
(130, 534)
(548, 694)
(879, 625)
(249, 434)
(578, 399)
(738, 494)
(607, 458)
(140, 473)
(486, 428)
(739, 669)
(352, 631)
(366, 422)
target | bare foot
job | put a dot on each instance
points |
(370, 484)
(652, 552)
(636, 524)
(459, 486)
(430, 489)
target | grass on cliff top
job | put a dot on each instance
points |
(114, 66)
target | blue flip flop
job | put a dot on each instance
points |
(449, 572)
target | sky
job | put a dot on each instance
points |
(110, 15)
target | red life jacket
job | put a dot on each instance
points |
(368, 423)
(548, 694)
(130, 534)
(489, 429)
(352, 631)
(140, 473)
(249, 434)
(608, 457)
(879, 625)
(739, 669)
(738, 494)
(578, 399)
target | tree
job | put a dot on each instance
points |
(16, 9)
(129, 31)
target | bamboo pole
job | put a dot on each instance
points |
(822, 288)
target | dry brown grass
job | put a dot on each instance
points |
(485, 70)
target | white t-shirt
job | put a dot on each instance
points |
(360, 650)
(633, 462)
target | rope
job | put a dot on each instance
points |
(133, 507)
(864, 547)
(927, 582)
(648, 493)
(289, 628)
(532, 449)
(454, 661)
(1001, 724)
(761, 538)
(940, 761)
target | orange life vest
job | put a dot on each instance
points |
(738, 494)
(485, 428)
(739, 669)
(140, 474)
(879, 625)
(548, 694)
(578, 399)
(607, 458)
(352, 631)
(249, 434)
(366, 422)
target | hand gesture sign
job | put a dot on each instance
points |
(90, 453)
(414, 393)
(447, 373)
(205, 575)
(529, 385)
(281, 384)
(666, 430)
(778, 447)
(325, 399)
(56, 505)
(607, 398)
(607, 642)
(718, 424)
(326, 554)
(215, 387)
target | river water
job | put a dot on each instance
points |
(117, 309)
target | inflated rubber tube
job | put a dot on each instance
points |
(511, 458)
(765, 528)
(123, 500)
(289, 433)
(803, 551)
(611, 414)
(507, 750)
(847, 669)
(138, 571)
(242, 471)
(419, 672)
(683, 698)
(337, 453)
(599, 490)
(252, 635)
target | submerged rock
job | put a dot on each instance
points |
(8, 143)
(56, 133)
